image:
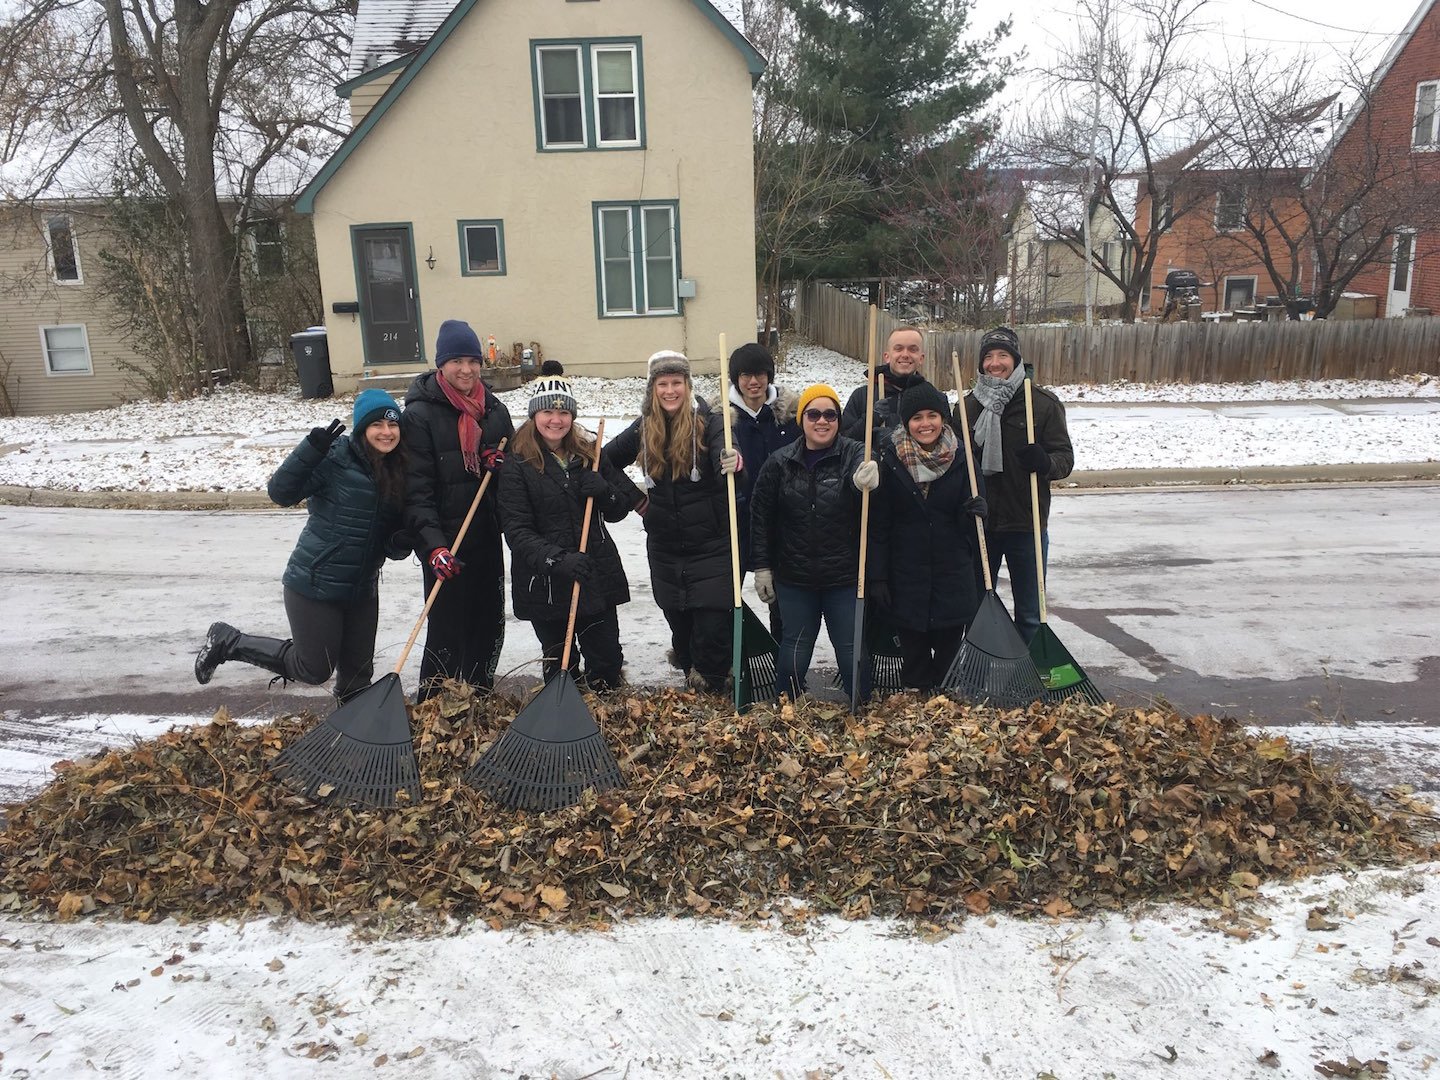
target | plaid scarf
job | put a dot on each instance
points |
(472, 410)
(925, 465)
(993, 395)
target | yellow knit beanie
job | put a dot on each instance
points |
(810, 393)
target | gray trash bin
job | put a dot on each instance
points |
(312, 362)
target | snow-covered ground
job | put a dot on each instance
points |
(234, 439)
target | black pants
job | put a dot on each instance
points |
(327, 636)
(701, 639)
(467, 623)
(597, 637)
(926, 655)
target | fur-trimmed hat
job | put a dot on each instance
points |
(371, 405)
(810, 393)
(1001, 337)
(552, 393)
(664, 362)
(921, 397)
(456, 339)
(751, 359)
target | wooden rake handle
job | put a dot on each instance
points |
(1035, 504)
(435, 589)
(730, 492)
(870, 351)
(970, 462)
(584, 543)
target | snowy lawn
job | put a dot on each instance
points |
(234, 439)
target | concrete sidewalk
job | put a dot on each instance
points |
(1099, 412)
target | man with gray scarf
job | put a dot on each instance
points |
(995, 411)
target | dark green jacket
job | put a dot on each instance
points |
(348, 534)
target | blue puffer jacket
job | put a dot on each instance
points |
(348, 534)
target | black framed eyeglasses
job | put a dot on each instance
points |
(816, 415)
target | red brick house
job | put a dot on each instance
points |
(1404, 116)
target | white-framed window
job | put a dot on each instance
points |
(482, 248)
(1229, 210)
(265, 238)
(1165, 211)
(62, 251)
(67, 349)
(1426, 132)
(588, 95)
(1239, 292)
(637, 258)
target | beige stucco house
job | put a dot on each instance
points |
(1046, 257)
(576, 173)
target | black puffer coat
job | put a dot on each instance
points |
(438, 487)
(852, 420)
(1008, 492)
(805, 523)
(542, 513)
(349, 532)
(687, 524)
(924, 547)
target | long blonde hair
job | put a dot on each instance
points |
(671, 442)
(530, 448)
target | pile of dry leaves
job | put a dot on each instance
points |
(927, 808)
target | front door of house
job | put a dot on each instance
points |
(389, 312)
(1400, 274)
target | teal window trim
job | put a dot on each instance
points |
(409, 228)
(637, 265)
(586, 48)
(499, 226)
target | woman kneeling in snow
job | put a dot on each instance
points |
(354, 492)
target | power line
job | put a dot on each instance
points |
(1327, 26)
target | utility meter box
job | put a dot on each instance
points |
(685, 288)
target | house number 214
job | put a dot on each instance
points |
(390, 335)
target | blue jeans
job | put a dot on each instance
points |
(800, 614)
(1018, 551)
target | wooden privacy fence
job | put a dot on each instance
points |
(1153, 352)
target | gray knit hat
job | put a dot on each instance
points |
(553, 393)
(999, 337)
(664, 362)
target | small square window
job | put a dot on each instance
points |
(1427, 115)
(63, 253)
(66, 349)
(1239, 292)
(482, 248)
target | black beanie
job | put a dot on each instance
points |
(751, 359)
(923, 396)
(552, 367)
(1001, 337)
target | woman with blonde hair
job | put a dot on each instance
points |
(679, 444)
(545, 483)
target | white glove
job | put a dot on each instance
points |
(765, 586)
(867, 476)
(731, 462)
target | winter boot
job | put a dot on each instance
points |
(219, 640)
(695, 681)
(264, 652)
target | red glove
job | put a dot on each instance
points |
(444, 564)
(491, 460)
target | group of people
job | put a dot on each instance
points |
(406, 480)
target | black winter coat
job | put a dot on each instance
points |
(805, 523)
(687, 524)
(438, 487)
(1008, 492)
(924, 547)
(757, 437)
(348, 533)
(542, 513)
(887, 415)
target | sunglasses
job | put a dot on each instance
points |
(816, 415)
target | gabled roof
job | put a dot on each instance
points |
(1386, 63)
(405, 19)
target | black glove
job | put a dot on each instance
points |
(879, 591)
(574, 565)
(592, 485)
(977, 507)
(1033, 457)
(321, 437)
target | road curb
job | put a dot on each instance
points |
(1254, 476)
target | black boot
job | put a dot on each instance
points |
(219, 640)
(264, 652)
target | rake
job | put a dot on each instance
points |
(993, 663)
(858, 645)
(753, 652)
(553, 751)
(1061, 673)
(362, 752)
